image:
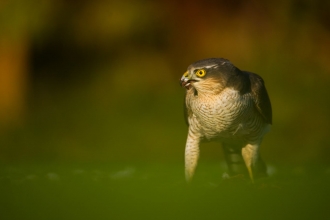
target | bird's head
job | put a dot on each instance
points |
(209, 75)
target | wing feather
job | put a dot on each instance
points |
(261, 98)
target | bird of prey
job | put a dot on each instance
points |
(226, 104)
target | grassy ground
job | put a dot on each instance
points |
(149, 128)
(158, 191)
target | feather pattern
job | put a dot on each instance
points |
(227, 105)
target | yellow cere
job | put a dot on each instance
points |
(200, 73)
(185, 74)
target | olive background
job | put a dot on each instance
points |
(91, 110)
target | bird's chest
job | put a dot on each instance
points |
(218, 115)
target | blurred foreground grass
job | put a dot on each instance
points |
(158, 191)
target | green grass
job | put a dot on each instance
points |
(138, 139)
(143, 142)
(157, 191)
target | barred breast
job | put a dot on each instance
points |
(226, 115)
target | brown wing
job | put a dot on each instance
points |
(261, 97)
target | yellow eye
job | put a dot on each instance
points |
(200, 73)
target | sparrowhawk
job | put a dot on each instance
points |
(226, 104)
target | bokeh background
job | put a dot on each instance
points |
(96, 82)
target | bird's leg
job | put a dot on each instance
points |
(191, 154)
(250, 156)
(234, 159)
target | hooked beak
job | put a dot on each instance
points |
(186, 81)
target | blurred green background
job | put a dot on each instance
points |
(89, 91)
